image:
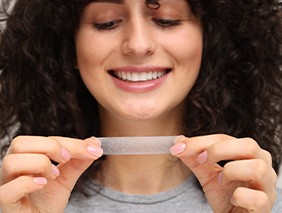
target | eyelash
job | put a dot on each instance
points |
(167, 23)
(162, 23)
(107, 25)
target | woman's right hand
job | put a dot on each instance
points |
(29, 182)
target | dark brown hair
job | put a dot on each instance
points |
(238, 91)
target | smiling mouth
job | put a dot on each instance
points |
(139, 76)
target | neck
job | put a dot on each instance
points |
(146, 174)
(142, 174)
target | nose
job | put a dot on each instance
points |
(138, 40)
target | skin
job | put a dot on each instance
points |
(137, 41)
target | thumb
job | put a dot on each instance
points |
(81, 158)
(71, 171)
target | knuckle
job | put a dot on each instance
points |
(45, 164)
(274, 175)
(261, 201)
(52, 148)
(251, 147)
(259, 168)
(268, 156)
(16, 144)
(8, 164)
(222, 137)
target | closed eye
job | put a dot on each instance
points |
(167, 23)
(107, 25)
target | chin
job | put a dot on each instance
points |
(144, 115)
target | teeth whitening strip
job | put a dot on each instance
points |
(137, 145)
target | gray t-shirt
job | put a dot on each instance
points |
(185, 198)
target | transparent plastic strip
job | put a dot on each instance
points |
(146, 145)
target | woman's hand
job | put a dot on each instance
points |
(29, 182)
(247, 181)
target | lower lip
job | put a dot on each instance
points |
(144, 86)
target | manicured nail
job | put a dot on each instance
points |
(178, 148)
(40, 180)
(55, 170)
(203, 157)
(96, 151)
(219, 180)
(65, 154)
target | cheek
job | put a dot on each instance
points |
(186, 46)
(91, 50)
(188, 52)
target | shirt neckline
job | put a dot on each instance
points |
(95, 189)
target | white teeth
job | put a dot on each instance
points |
(155, 75)
(123, 76)
(143, 76)
(137, 77)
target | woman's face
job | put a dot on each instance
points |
(139, 63)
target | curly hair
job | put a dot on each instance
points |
(238, 91)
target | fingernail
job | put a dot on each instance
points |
(96, 151)
(55, 170)
(203, 157)
(40, 180)
(178, 148)
(219, 180)
(65, 154)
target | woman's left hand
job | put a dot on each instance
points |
(247, 181)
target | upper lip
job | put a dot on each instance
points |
(140, 68)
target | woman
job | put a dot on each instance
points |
(208, 70)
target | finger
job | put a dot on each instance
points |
(236, 149)
(255, 172)
(39, 145)
(188, 150)
(88, 149)
(12, 192)
(59, 149)
(73, 169)
(15, 165)
(252, 200)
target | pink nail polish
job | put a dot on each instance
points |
(178, 148)
(219, 180)
(65, 154)
(40, 180)
(55, 170)
(203, 157)
(96, 151)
